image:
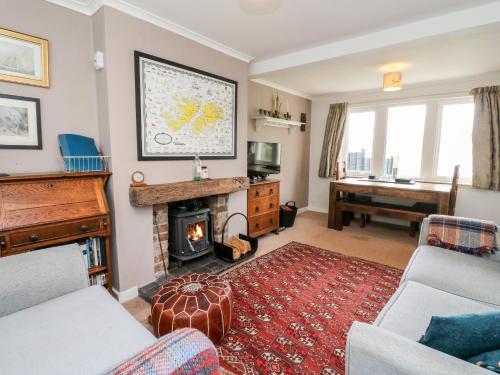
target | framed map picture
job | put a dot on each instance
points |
(182, 111)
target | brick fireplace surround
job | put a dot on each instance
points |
(216, 191)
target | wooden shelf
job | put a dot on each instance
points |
(94, 270)
(149, 195)
(261, 121)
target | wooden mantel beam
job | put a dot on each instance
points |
(149, 195)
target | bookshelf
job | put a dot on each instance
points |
(43, 210)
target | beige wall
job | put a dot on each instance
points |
(118, 35)
(294, 174)
(69, 105)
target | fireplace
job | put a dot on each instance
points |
(190, 231)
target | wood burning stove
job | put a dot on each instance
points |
(189, 232)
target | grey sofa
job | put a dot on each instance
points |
(52, 322)
(435, 282)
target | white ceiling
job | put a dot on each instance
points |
(459, 54)
(315, 47)
(296, 24)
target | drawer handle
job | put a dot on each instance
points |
(257, 209)
(257, 193)
(105, 222)
(271, 205)
(84, 228)
(33, 237)
(271, 191)
(257, 225)
(271, 221)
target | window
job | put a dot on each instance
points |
(360, 127)
(405, 135)
(455, 144)
(422, 139)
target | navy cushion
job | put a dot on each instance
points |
(465, 335)
(488, 360)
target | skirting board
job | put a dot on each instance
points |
(126, 295)
(302, 209)
(318, 209)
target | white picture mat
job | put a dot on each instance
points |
(12, 47)
(162, 88)
(32, 138)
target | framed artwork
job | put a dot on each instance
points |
(182, 111)
(24, 59)
(20, 123)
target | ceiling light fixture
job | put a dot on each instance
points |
(259, 7)
(392, 81)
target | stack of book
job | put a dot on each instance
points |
(94, 252)
(99, 279)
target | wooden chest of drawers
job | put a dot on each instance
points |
(263, 207)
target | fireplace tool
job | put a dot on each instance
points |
(225, 252)
(161, 247)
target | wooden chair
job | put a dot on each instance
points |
(454, 191)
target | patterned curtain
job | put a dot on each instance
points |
(334, 133)
(486, 138)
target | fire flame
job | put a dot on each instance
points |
(195, 232)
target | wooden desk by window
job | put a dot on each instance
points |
(420, 191)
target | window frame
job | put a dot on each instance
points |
(430, 143)
(439, 126)
(345, 140)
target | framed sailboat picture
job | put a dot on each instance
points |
(24, 58)
(182, 111)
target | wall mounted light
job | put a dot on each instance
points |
(392, 81)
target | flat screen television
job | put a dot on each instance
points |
(264, 158)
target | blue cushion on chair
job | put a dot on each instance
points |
(488, 360)
(465, 335)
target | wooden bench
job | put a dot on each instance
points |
(438, 195)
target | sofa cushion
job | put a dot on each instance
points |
(461, 274)
(411, 308)
(464, 335)
(84, 332)
(31, 278)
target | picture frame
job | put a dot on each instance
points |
(183, 111)
(24, 59)
(20, 123)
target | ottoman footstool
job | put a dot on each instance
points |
(200, 301)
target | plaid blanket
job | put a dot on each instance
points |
(183, 352)
(465, 235)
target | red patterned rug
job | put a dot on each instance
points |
(294, 306)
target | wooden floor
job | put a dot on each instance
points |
(381, 243)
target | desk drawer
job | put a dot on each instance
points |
(40, 234)
(264, 223)
(265, 190)
(263, 205)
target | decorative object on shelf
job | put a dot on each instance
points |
(303, 120)
(392, 81)
(24, 59)
(196, 168)
(20, 122)
(204, 172)
(137, 179)
(182, 111)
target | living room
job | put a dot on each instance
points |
(229, 187)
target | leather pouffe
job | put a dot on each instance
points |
(200, 301)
